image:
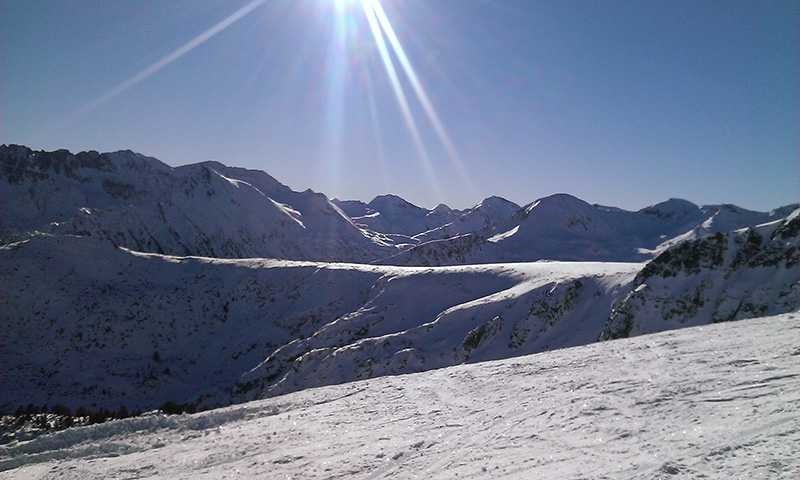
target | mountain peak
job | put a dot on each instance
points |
(671, 207)
(441, 208)
(558, 201)
(497, 207)
(389, 201)
(495, 200)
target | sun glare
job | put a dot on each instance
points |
(164, 61)
(345, 49)
(395, 60)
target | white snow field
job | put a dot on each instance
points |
(718, 401)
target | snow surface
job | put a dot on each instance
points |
(108, 300)
(83, 321)
(718, 401)
(209, 209)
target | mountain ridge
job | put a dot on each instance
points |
(129, 282)
(238, 213)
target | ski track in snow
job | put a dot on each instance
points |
(718, 401)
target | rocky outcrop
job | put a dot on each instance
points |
(746, 273)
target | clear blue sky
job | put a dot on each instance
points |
(623, 103)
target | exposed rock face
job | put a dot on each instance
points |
(727, 276)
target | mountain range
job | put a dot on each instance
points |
(129, 282)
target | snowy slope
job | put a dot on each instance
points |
(723, 277)
(125, 282)
(391, 214)
(712, 402)
(493, 215)
(562, 227)
(741, 274)
(85, 323)
(88, 324)
(431, 318)
(204, 209)
(43, 187)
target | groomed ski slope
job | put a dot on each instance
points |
(718, 401)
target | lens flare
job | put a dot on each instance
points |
(383, 32)
(400, 95)
(163, 62)
(422, 97)
(345, 46)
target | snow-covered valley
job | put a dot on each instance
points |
(718, 401)
(384, 339)
(106, 327)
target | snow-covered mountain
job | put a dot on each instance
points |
(392, 215)
(205, 209)
(419, 320)
(86, 323)
(209, 209)
(741, 274)
(562, 227)
(126, 282)
(723, 277)
(712, 402)
(491, 216)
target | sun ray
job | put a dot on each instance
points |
(395, 62)
(400, 95)
(422, 97)
(334, 120)
(163, 62)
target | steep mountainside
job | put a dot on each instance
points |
(492, 216)
(727, 276)
(433, 318)
(743, 274)
(88, 324)
(204, 209)
(39, 188)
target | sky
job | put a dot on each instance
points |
(621, 103)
